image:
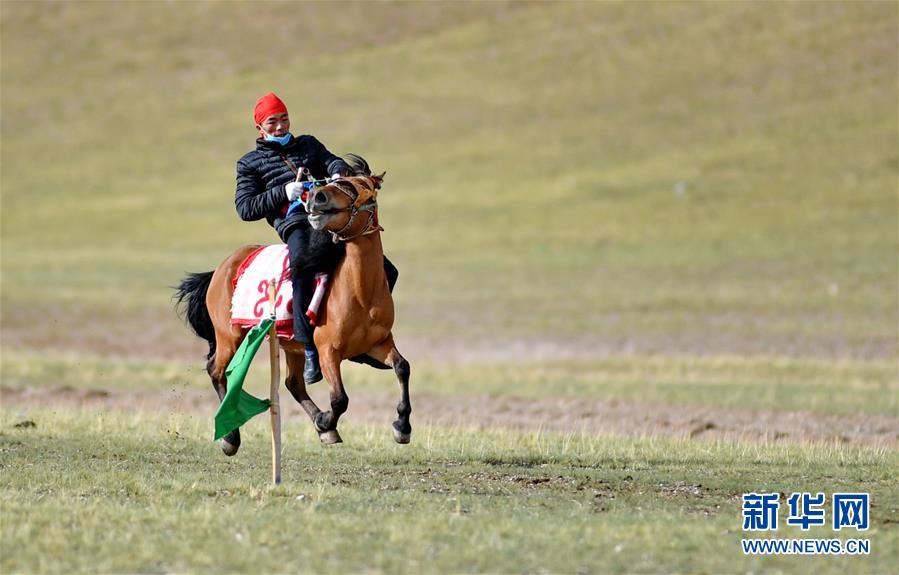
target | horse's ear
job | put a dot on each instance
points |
(378, 179)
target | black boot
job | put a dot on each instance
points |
(312, 372)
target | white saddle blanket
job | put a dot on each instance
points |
(250, 303)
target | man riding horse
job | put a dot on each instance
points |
(268, 182)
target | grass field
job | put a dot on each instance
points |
(144, 493)
(655, 241)
(689, 179)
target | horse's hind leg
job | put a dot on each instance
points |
(297, 387)
(402, 429)
(388, 354)
(216, 368)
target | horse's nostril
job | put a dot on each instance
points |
(320, 198)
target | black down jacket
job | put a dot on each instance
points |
(263, 173)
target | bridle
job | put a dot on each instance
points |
(370, 207)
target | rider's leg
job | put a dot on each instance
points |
(303, 282)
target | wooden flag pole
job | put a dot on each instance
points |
(276, 377)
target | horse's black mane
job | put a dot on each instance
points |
(358, 163)
(323, 253)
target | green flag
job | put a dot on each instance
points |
(239, 407)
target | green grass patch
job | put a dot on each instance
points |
(86, 492)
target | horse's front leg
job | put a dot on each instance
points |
(326, 422)
(297, 387)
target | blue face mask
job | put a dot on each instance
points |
(282, 140)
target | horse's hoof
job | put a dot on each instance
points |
(330, 437)
(228, 449)
(400, 437)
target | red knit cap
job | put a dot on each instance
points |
(268, 105)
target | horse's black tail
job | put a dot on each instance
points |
(191, 305)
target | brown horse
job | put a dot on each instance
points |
(356, 318)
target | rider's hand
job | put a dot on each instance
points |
(334, 177)
(293, 190)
